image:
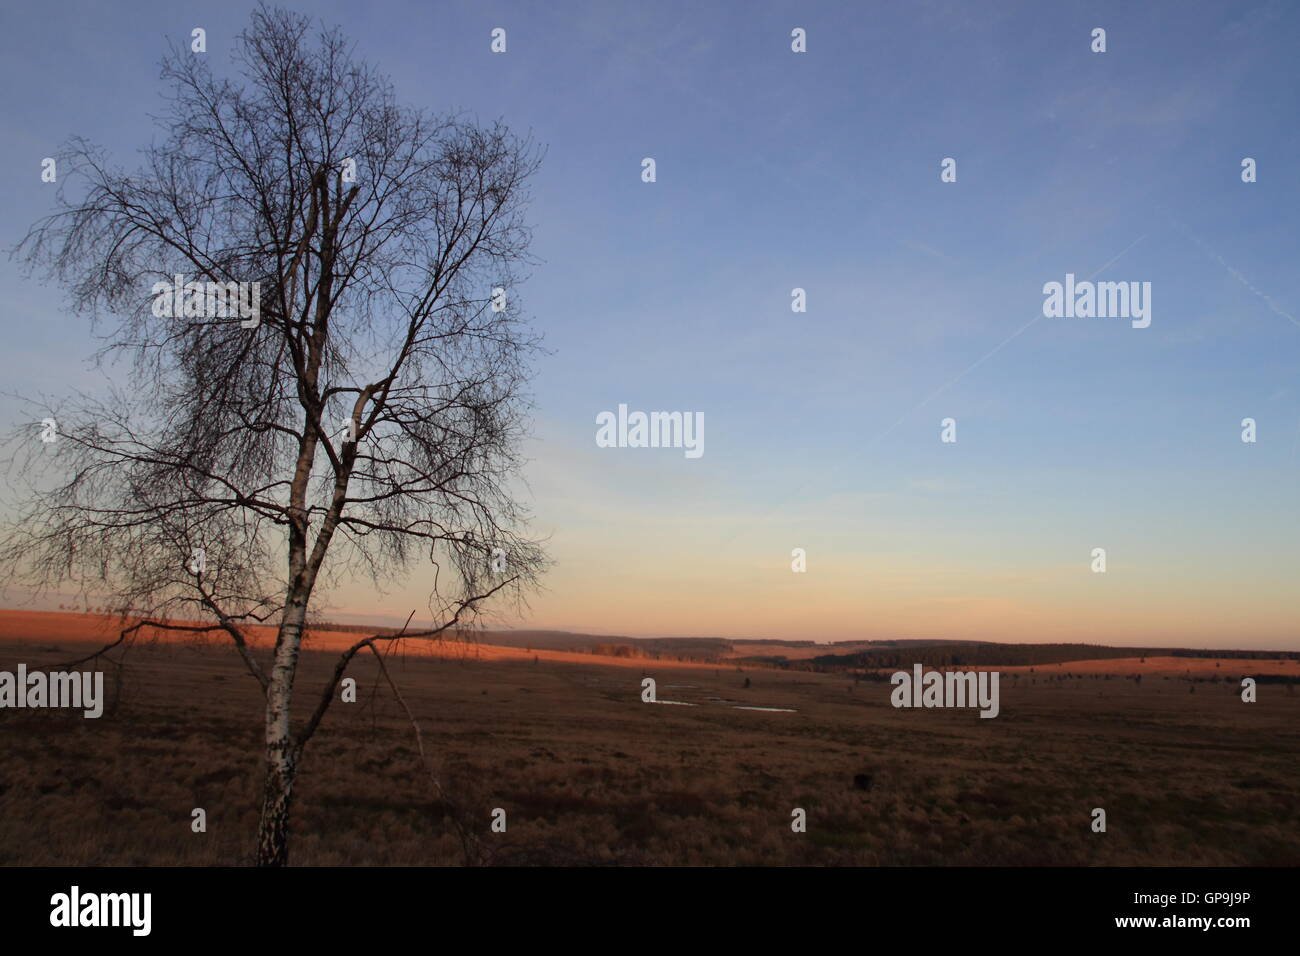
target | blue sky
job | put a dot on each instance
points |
(778, 170)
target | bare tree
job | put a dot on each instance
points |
(360, 412)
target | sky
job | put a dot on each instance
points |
(820, 170)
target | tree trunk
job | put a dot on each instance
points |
(281, 768)
(273, 830)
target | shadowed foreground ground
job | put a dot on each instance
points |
(586, 773)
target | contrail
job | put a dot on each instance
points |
(1236, 274)
(939, 391)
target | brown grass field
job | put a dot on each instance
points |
(588, 774)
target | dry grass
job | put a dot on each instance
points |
(589, 774)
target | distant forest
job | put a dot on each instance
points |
(893, 654)
(1004, 655)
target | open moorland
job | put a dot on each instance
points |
(589, 774)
